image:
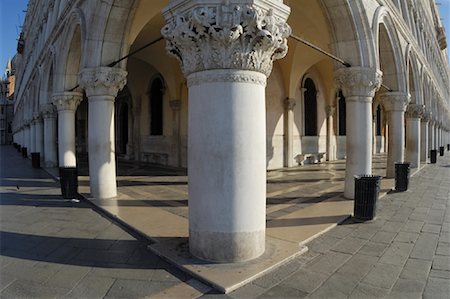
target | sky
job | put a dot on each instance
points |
(12, 16)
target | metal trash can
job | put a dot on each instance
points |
(402, 172)
(433, 156)
(367, 189)
(441, 151)
(36, 160)
(19, 148)
(24, 152)
(448, 146)
(68, 178)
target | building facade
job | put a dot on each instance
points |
(230, 89)
(7, 103)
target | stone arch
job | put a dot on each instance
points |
(413, 79)
(389, 56)
(309, 107)
(47, 82)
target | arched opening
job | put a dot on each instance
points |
(122, 103)
(156, 93)
(73, 61)
(378, 124)
(310, 107)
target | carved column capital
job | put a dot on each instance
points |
(67, 100)
(48, 110)
(330, 110)
(358, 82)
(415, 110)
(289, 104)
(36, 118)
(426, 116)
(102, 81)
(217, 34)
(395, 101)
(175, 105)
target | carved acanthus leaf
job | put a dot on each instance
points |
(67, 100)
(103, 81)
(358, 82)
(415, 110)
(395, 101)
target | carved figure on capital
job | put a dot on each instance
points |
(358, 82)
(415, 110)
(36, 117)
(103, 81)
(426, 116)
(330, 110)
(216, 34)
(289, 104)
(48, 110)
(395, 101)
(67, 100)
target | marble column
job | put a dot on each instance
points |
(39, 125)
(289, 104)
(26, 135)
(436, 135)
(226, 55)
(66, 103)
(414, 113)
(358, 85)
(102, 85)
(175, 105)
(424, 142)
(50, 148)
(32, 148)
(395, 104)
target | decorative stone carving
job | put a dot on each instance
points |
(330, 110)
(48, 110)
(395, 101)
(358, 82)
(415, 110)
(217, 34)
(289, 104)
(36, 117)
(67, 100)
(175, 105)
(225, 76)
(103, 81)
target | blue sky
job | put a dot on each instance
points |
(11, 11)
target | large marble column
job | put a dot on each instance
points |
(414, 113)
(395, 104)
(101, 85)
(424, 142)
(26, 135)
(32, 148)
(358, 85)
(330, 111)
(50, 148)
(175, 105)
(39, 125)
(289, 105)
(66, 103)
(226, 53)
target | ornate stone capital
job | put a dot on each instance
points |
(102, 81)
(330, 110)
(226, 75)
(395, 101)
(358, 82)
(48, 110)
(289, 104)
(67, 100)
(415, 110)
(175, 105)
(218, 34)
(37, 117)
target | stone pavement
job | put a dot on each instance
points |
(56, 248)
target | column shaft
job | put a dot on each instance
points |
(413, 141)
(424, 141)
(40, 138)
(50, 149)
(289, 132)
(32, 148)
(66, 138)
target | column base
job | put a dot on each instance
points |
(227, 247)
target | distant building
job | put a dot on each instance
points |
(7, 104)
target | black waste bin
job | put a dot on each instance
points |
(441, 151)
(24, 152)
(36, 160)
(367, 189)
(402, 176)
(19, 148)
(68, 177)
(448, 146)
(433, 156)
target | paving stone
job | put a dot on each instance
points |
(125, 288)
(373, 249)
(306, 281)
(435, 216)
(431, 228)
(382, 275)
(323, 243)
(441, 263)
(67, 277)
(383, 237)
(443, 248)
(248, 291)
(364, 232)
(425, 246)
(416, 269)
(367, 292)
(341, 283)
(342, 231)
(283, 292)
(437, 288)
(408, 289)
(31, 289)
(328, 263)
(444, 237)
(413, 226)
(349, 245)
(275, 277)
(358, 266)
(396, 253)
(440, 274)
(92, 287)
(406, 237)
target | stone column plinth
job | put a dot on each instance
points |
(50, 149)
(226, 52)
(289, 105)
(358, 85)
(66, 103)
(424, 142)
(101, 85)
(414, 113)
(395, 104)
